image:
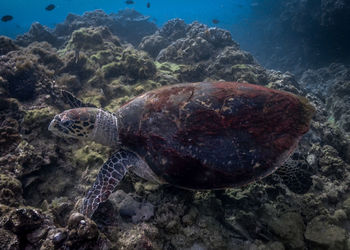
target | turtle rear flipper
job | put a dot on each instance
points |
(111, 173)
(296, 174)
(74, 102)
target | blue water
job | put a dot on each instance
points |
(230, 13)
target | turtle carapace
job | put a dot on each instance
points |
(206, 135)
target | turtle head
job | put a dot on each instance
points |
(86, 123)
(75, 123)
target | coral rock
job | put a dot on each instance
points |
(290, 227)
(218, 37)
(141, 236)
(8, 240)
(91, 38)
(10, 190)
(174, 29)
(9, 135)
(130, 208)
(128, 24)
(6, 45)
(74, 220)
(21, 80)
(37, 33)
(346, 206)
(82, 233)
(153, 44)
(132, 26)
(24, 220)
(187, 51)
(322, 234)
(330, 162)
(37, 234)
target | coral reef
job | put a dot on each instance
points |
(129, 25)
(27, 72)
(6, 45)
(206, 52)
(38, 33)
(333, 85)
(179, 42)
(43, 178)
(9, 129)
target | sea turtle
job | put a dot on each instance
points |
(205, 135)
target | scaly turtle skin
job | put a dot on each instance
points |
(194, 136)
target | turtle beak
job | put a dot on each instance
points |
(54, 123)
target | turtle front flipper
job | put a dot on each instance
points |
(111, 173)
(74, 102)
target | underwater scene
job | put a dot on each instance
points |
(195, 125)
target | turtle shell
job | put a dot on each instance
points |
(214, 135)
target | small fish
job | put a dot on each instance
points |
(6, 18)
(215, 21)
(148, 4)
(129, 2)
(50, 7)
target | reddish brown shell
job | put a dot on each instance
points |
(214, 135)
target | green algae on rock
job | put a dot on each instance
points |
(169, 67)
(91, 38)
(95, 97)
(70, 81)
(38, 117)
(110, 61)
(92, 155)
(10, 190)
(9, 135)
(330, 163)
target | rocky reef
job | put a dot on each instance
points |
(129, 25)
(333, 89)
(43, 178)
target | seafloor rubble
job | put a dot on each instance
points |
(43, 178)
